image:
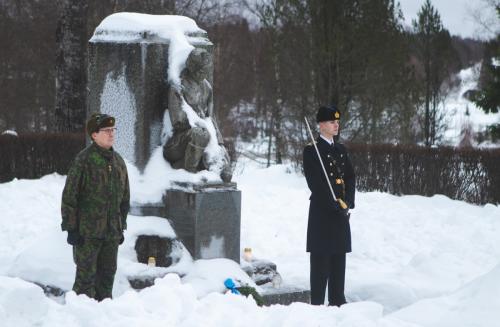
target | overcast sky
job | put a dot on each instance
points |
(456, 15)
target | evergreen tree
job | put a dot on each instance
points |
(360, 62)
(435, 52)
(381, 75)
(488, 97)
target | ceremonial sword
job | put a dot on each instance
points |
(342, 204)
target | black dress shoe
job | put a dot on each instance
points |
(339, 304)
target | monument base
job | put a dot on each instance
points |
(206, 218)
(285, 295)
(148, 209)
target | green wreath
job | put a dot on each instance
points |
(248, 290)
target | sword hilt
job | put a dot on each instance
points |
(343, 205)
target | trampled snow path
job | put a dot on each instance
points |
(416, 261)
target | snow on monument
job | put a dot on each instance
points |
(155, 74)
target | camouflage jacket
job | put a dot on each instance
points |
(96, 197)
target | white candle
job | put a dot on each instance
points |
(247, 254)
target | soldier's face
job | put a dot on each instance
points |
(105, 138)
(329, 128)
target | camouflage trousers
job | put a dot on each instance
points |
(95, 267)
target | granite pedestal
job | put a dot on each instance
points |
(207, 220)
(285, 295)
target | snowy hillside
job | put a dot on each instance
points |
(416, 261)
(456, 107)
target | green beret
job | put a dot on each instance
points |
(98, 121)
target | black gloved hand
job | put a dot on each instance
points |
(122, 238)
(341, 211)
(74, 238)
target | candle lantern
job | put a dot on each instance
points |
(247, 254)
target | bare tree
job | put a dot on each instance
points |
(207, 12)
(271, 15)
(484, 15)
(71, 59)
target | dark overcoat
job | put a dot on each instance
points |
(328, 230)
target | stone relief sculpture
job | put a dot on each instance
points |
(186, 148)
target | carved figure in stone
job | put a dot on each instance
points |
(186, 147)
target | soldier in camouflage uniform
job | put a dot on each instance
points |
(95, 203)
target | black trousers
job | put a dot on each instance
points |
(327, 268)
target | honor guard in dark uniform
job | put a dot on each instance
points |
(328, 230)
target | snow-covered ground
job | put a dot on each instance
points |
(416, 261)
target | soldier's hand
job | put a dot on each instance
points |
(340, 211)
(122, 238)
(74, 238)
(337, 207)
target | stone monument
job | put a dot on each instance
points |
(186, 147)
(155, 75)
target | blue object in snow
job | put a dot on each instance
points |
(229, 283)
